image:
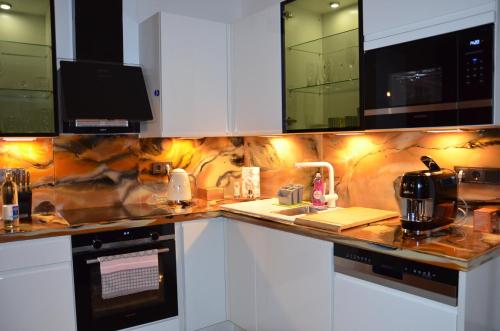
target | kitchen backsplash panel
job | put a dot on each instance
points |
(210, 162)
(38, 158)
(276, 157)
(94, 171)
(367, 166)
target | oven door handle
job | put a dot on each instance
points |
(161, 250)
(123, 244)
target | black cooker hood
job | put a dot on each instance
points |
(98, 93)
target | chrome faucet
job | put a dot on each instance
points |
(331, 197)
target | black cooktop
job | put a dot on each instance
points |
(114, 213)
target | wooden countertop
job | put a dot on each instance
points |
(458, 247)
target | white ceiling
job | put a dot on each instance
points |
(35, 7)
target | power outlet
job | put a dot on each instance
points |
(161, 168)
(489, 176)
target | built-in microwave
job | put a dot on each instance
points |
(443, 80)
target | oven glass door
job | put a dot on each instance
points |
(416, 81)
(96, 313)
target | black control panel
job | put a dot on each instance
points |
(476, 66)
(396, 267)
(98, 239)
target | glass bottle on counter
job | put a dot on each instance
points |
(10, 206)
(318, 191)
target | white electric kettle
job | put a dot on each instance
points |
(179, 188)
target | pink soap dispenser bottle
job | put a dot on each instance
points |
(318, 191)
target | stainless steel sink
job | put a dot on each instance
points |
(297, 211)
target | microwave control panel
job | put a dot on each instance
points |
(476, 49)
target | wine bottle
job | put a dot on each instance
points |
(10, 206)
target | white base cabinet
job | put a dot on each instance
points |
(361, 305)
(278, 280)
(241, 274)
(36, 285)
(204, 272)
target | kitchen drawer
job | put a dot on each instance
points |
(38, 298)
(32, 253)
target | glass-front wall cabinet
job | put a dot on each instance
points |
(26, 68)
(320, 65)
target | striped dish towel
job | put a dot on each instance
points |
(125, 274)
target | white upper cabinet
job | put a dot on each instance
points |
(255, 73)
(387, 22)
(184, 61)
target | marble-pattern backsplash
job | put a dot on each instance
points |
(210, 162)
(367, 166)
(71, 172)
(38, 158)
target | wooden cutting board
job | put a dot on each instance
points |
(344, 218)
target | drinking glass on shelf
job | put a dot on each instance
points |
(335, 76)
(327, 71)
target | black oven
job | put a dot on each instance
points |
(444, 80)
(94, 312)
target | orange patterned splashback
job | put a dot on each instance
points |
(368, 165)
(92, 171)
(38, 158)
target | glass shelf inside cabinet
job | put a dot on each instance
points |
(337, 42)
(25, 66)
(25, 44)
(24, 93)
(329, 87)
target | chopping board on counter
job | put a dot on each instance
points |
(344, 218)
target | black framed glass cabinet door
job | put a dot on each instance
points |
(321, 67)
(27, 67)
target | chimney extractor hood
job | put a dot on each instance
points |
(98, 94)
(103, 97)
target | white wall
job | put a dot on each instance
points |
(130, 32)
(135, 11)
(249, 7)
(216, 10)
(64, 28)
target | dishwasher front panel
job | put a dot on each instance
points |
(424, 280)
(364, 305)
